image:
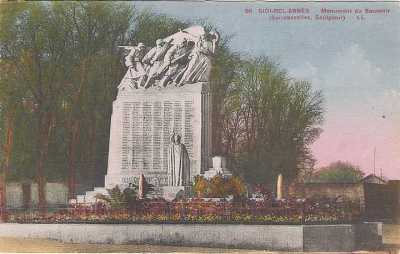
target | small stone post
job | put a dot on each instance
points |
(141, 187)
(279, 187)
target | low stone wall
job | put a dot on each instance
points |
(56, 195)
(14, 195)
(268, 237)
(329, 238)
(349, 191)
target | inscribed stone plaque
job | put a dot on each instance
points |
(142, 124)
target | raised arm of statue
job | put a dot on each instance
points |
(215, 40)
(127, 47)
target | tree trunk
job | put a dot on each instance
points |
(74, 136)
(45, 125)
(6, 163)
(92, 150)
(74, 128)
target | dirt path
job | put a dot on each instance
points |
(8, 244)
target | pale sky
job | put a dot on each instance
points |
(356, 63)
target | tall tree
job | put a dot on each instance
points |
(94, 31)
(10, 99)
(62, 52)
(33, 50)
(225, 64)
(270, 121)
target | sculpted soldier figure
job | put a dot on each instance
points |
(178, 163)
(154, 58)
(182, 58)
(133, 60)
(199, 67)
(175, 62)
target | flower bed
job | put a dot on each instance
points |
(292, 212)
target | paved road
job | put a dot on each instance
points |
(391, 238)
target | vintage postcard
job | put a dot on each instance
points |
(200, 126)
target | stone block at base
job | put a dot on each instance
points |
(343, 238)
(329, 238)
(369, 236)
(172, 192)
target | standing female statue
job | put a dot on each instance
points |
(178, 163)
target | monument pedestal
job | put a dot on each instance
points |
(219, 168)
(141, 126)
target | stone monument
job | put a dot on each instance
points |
(165, 93)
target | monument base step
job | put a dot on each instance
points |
(213, 172)
(90, 196)
(176, 192)
(167, 192)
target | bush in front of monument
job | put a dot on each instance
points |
(201, 186)
(118, 199)
(236, 187)
(219, 187)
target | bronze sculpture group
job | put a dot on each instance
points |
(182, 58)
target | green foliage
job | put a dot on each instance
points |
(117, 198)
(270, 121)
(337, 172)
(148, 27)
(61, 59)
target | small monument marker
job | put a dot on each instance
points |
(279, 187)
